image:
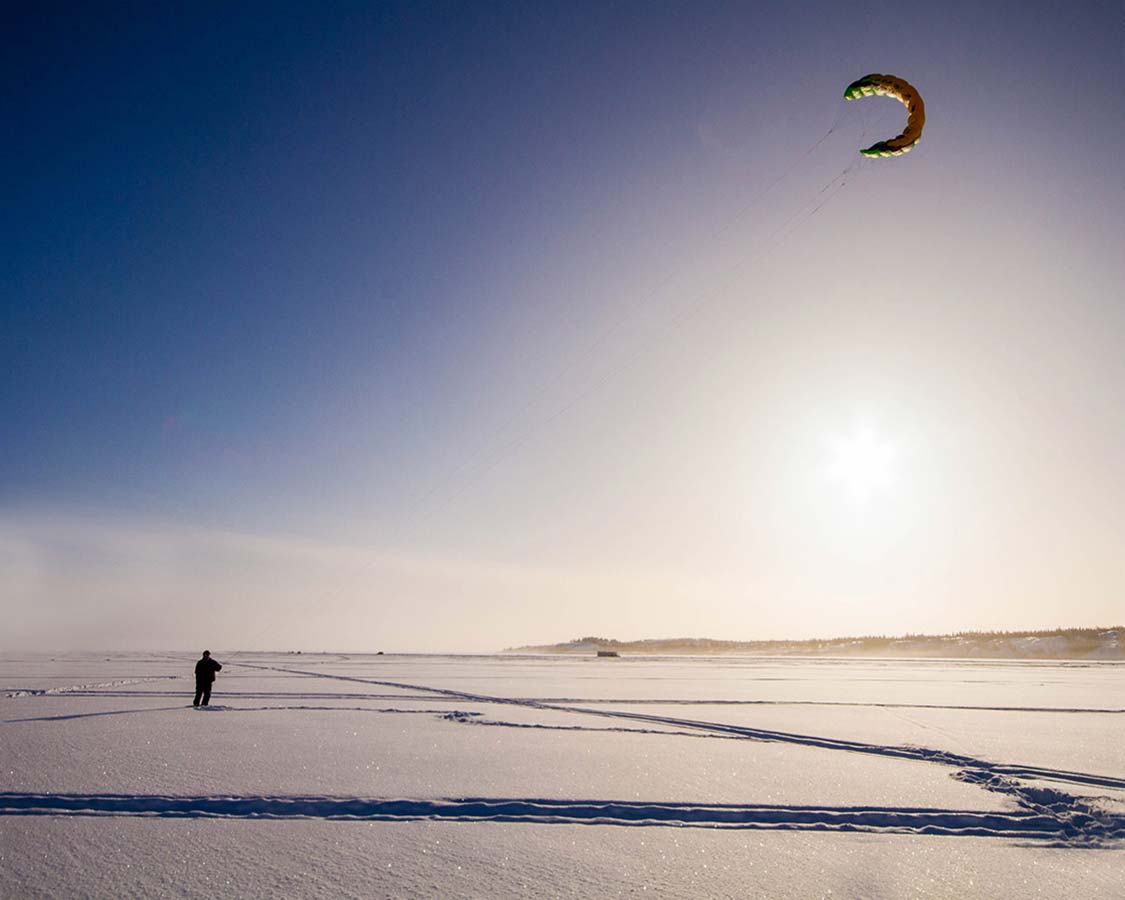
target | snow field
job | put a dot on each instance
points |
(506, 776)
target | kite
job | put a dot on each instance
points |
(904, 92)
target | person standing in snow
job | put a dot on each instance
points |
(205, 671)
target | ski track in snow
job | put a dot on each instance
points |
(83, 688)
(1043, 814)
(216, 707)
(98, 691)
(1025, 824)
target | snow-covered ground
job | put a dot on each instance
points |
(487, 776)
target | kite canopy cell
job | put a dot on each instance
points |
(904, 92)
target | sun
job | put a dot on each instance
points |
(863, 462)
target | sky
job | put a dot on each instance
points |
(461, 326)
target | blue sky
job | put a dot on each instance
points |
(399, 281)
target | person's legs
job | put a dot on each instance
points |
(206, 694)
(199, 689)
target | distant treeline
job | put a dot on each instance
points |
(1059, 643)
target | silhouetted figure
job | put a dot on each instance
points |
(205, 671)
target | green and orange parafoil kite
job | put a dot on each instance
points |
(904, 92)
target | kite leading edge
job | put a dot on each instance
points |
(904, 92)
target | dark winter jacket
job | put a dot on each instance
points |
(205, 670)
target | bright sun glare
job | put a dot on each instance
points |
(863, 462)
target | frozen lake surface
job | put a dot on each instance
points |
(484, 776)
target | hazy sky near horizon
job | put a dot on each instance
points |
(457, 326)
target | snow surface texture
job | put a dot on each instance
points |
(369, 776)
